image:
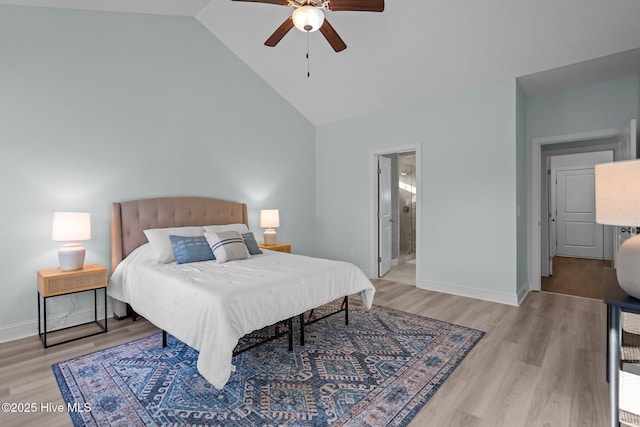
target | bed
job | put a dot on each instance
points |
(210, 305)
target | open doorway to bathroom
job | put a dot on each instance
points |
(403, 218)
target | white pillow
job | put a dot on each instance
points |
(240, 228)
(161, 244)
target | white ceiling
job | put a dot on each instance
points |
(415, 49)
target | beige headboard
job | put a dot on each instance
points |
(129, 219)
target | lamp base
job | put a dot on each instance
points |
(269, 237)
(628, 266)
(71, 256)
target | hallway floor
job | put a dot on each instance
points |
(576, 276)
(402, 273)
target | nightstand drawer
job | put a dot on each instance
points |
(56, 282)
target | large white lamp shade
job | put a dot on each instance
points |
(618, 203)
(269, 219)
(71, 227)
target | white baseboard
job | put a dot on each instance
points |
(523, 292)
(30, 328)
(483, 294)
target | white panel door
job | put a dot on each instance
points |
(626, 151)
(577, 233)
(385, 219)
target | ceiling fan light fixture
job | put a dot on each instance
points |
(308, 18)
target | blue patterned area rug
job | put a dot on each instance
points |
(377, 371)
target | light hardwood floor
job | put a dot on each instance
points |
(540, 364)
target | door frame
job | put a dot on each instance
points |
(384, 203)
(535, 257)
(373, 204)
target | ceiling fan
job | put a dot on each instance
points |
(308, 16)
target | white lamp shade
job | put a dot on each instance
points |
(71, 226)
(269, 218)
(308, 18)
(618, 203)
(618, 193)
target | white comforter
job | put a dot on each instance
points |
(210, 306)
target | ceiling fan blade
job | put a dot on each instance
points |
(357, 5)
(332, 37)
(278, 34)
(278, 2)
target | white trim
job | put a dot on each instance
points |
(534, 179)
(30, 328)
(482, 294)
(523, 292)
(577, 136)
(373, 204)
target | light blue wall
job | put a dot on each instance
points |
(609, 104)
(468, 185)
(103, 107)
(99, 107)
(522, 209)
(599, 106)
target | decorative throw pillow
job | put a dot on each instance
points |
(191, 249)
(252, 245)
(159, 240)
(240, 228)
(227, 246)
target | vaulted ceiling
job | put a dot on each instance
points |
(415, 49)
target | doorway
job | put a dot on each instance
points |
(623, 143)
(570, 216)
(579, 248)
(395, 214)
(397, 217)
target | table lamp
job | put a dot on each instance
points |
(71, 227)
(618, 203)
(269, 219)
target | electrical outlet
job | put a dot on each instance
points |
(464, 267)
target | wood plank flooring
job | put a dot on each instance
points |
(540, 364)
(576, 276)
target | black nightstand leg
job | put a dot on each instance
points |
(39, 320)
(608, 328)
(44, 315)
(105, 309)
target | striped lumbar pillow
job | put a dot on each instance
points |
(227, 246)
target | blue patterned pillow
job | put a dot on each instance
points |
(252, 245)
(191, 249)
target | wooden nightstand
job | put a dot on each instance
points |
(279, 247)
(55, 282)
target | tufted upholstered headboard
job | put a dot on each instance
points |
(129, 219)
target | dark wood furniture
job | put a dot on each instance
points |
(617, 301)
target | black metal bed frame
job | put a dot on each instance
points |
(280, 329)
(310, 320)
